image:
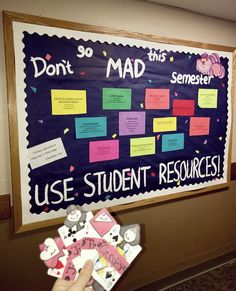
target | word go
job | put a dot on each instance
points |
(84, 52)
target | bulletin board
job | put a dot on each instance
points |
(107, 118)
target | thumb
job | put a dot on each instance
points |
(84, 277)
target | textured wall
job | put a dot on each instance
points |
(176, 235)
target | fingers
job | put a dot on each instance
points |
(84, 277)
(61, 285)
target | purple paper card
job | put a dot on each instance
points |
(132, 123)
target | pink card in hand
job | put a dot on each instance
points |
(102, 222)
(110, 246)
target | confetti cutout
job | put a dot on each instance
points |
(220, 138)
(114, 135)
(46, 208)
(141, 105)
(82, 73)
(205, 141)
(189, 57)
(176, 94)
(178, 183)
(158, 136)
(129, 174)
(104, 53)
(197, 151)
(186, 121)
(153, 174)
(66, 130)
(33, 89)
(76, 194)
(72, 168)
(217, 119)
(107, 196)
(222, 84)
(171, 59)
(132, 60)
(150, 81)
(48, 57)
(40, 121)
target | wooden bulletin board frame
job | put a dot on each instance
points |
(11, 54)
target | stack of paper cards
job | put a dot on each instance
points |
(99, 238)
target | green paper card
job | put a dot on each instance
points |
(116, 98)
(142, 146)
(207, 98)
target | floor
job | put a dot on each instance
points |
(221, 278)
(216, 275)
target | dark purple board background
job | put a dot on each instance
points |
(156, 75)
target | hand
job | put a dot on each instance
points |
(79, 284)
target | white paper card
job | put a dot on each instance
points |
(46, 153)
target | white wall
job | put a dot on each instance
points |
(129, 15)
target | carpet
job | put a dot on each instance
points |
(219, 279)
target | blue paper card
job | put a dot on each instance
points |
(172, 142)
(86, 127)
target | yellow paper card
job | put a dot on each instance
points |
(66, 102)
(142, 146)
(207, 98)
(162, 124)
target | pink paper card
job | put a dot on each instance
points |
(104, 150)
(116, 260)
(51, 250)
(102, 222)
(157, 98)
(199, 126)
(104, 249)
(75, 249)
(70, 273)
(59, 269)
(87, 243)
(183, 107)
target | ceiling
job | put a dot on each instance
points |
(223, 9)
